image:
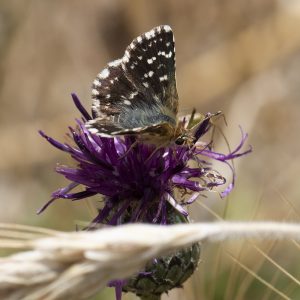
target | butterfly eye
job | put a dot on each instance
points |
(180, 141)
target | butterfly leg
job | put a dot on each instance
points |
(156, 149)
(130, 148)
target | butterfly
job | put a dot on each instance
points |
(137, 95)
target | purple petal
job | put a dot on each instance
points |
(79, 106)
(204, 126)
(176, 205)
(102, 215)
(62, 191)
(227, 190)
(231, 185)
(39, 211)
(161, 205)
(232, 155)
(118, 214)
(118, 285)
(192, 199)
(53, 142)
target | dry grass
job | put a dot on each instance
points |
(61, 265)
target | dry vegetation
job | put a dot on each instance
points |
(58, 265)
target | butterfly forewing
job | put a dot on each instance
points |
(137, 93)
(149, 61)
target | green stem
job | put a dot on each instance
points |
(150, 297)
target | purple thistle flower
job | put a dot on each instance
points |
(137, 180)
(135, 103)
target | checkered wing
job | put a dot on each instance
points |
(137, 93)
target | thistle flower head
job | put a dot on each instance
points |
(136, 180)
(140, 182)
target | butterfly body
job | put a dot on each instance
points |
(137, 95)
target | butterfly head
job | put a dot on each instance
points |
(185, 139)
(197, 126)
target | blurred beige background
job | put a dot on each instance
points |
(238, 56)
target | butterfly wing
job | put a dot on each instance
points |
(137, 93)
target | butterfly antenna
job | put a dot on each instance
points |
(191, 120)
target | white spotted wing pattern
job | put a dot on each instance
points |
(137, 95)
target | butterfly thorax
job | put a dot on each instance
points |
(178, 135)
